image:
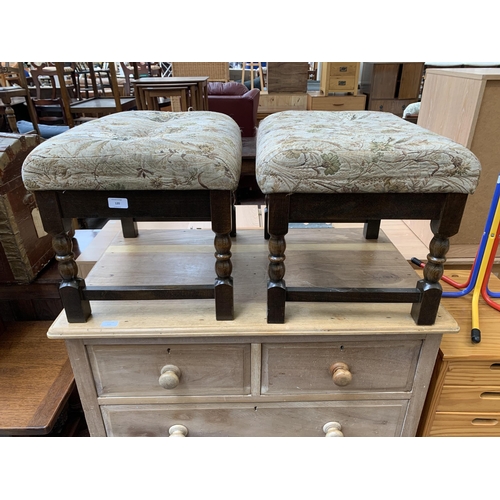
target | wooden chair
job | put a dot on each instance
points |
(45, 72)
(10, 92)
(50, 111)
(253, 66)
(135, 70)
(96, 106)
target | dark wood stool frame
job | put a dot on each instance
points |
(58, 208)
(444, 210)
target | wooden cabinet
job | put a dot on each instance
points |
(391, 87)
(464, 105)
(339, 77)
(464, 394)
(155, 368)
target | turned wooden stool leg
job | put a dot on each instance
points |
(129, 227)
(371, 229)
(70, 289)
(425, 311)
(278, 214)
(220, 205)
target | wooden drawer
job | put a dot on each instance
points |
(473, 373)
(366, 418)
(342, 69)
(470, 398)
(336, 103)
(342, 83)
(395, 106)
(134, 370)
(466, 424)
(305, 368)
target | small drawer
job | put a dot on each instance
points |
(342, 69)
(466, 424)
(135, 370)
(469, 398)
(354, 419)
(473, 373)
(341, 84)
(308, 368)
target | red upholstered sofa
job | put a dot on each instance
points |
(235, 100)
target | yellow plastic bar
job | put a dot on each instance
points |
(476, 332)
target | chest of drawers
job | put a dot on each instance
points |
(464, 394)
(339, 77)
(168, 368)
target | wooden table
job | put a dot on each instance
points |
(355, 369)
(464, 393)
(36, 379)
(197, 85)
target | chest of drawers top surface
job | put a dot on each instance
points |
(318, 257)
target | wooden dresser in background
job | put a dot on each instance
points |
(464, 105)
(391, 86)
(464, 394)
(338, 88)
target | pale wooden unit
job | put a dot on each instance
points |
(318, 101)
(272, 103)
(464, 105)
(391, 86)
(339, 77)
(464, 394)
(160, 368)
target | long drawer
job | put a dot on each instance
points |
(462, 424)
(336, 102)
(473, 373)
(361, 419)
(311, 368)
(135, 370)
(470, 398)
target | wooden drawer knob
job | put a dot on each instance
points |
(170, 376)
(178, 431)
(332, 429)
(341, 374)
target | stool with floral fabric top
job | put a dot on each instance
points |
(139, 165)
(362, 166)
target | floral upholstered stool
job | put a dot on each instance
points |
(363, 166)
(139, 165)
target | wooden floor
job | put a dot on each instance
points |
(37, 389)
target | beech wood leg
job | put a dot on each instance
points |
(220, 205)
(278, 214)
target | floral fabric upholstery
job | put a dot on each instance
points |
(140, 150)
(359, 151)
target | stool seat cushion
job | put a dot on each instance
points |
(140, 150)
(359, 151)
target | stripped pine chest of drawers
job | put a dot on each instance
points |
(162, 368)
